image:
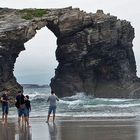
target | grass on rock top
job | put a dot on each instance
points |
(29, 14)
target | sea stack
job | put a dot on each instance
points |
(94, 51)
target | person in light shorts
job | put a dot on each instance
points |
(52, 107)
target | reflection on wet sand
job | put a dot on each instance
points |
(11, 131)
(6, 133)
(23, 133)
(98, 130)
(72, 130)
(53, 131)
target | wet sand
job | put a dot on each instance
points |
(72, 129)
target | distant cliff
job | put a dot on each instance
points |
(34, 86)
(94, 51)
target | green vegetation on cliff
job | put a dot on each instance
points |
(29, 14)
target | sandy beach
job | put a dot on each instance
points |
(72, 129)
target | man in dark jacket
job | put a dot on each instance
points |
(21, 107)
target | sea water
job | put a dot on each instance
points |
(79, 105)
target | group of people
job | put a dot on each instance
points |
(23, 106)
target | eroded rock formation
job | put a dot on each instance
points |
(94, 51)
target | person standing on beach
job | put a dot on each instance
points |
(52, 101)
(28, 107)
(5, 106)
(21, 107)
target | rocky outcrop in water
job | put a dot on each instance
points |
(94, 51)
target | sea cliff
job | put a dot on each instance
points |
(94, 51)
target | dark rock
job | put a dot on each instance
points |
(94, 51)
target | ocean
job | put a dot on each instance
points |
(79, 105)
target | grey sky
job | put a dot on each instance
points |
(37, 63)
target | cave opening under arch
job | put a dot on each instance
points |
(37, 63)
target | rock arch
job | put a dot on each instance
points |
(94, 51)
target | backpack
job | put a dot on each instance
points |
(17, 105)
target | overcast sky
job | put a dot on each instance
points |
(37, 63)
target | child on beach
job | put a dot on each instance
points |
(28, 106)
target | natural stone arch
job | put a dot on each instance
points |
(94, 50)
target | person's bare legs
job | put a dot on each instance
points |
(2, 117)
(48, 118)
(53, 118)
(23, 119)
(27, 121)
(5, 119)
(19, 119)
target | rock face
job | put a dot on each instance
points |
(94, 51)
